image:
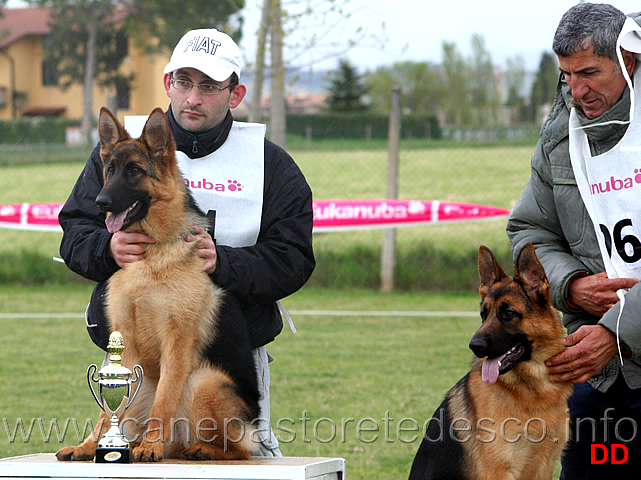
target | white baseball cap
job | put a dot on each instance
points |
(212, 52)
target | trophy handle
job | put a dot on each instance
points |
(91, 375)
(138, 373)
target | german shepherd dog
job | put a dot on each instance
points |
(506, 419)
(199, 396)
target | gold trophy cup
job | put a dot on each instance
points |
(114, 397)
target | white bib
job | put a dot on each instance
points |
(229, 181)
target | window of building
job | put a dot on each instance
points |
(122, 43)
(122, 96)
(49, 74)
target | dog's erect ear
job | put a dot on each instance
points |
(529, 271)
(489, 269)
(157, 136)
(110, 132)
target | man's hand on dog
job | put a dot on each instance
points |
(206, 249)
(128, 247)
(591, 348)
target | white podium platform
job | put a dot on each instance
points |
(45, 465)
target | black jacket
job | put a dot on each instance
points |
(254, 277)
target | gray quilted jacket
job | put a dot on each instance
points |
(551, 215)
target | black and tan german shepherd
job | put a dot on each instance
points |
(199, 396)
(506, 418)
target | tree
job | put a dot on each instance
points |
(85, 44)
(456, 102)
(258, 71)
(278, 117)
(318, 30)
(545, 83)
(514, 80)
(482, 83)
(422, 84)
(168, 20)
(346, 89)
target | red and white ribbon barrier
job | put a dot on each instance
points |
(329, 215)
(31, 216)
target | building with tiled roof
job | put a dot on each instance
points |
(26, 88)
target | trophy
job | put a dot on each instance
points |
(114, 397)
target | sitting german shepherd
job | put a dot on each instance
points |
(506, 418)
(199, 395)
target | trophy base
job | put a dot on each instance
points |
(112, 455)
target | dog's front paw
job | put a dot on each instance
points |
(77, 453)
(148, 452)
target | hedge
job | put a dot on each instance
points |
(320, 126)
(360, 125)
(34, 130)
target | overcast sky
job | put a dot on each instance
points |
(415, 29)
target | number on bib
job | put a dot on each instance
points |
(627, 246)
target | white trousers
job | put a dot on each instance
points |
(265, 444)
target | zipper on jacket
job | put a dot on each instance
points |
(194, 145)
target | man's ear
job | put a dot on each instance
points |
(629, 60)
(166, 81)
(237, 95)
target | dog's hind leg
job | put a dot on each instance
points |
(87, 449)
(219, 419)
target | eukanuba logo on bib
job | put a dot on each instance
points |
(205, 184)
(614, 184)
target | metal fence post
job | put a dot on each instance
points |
(388, 252)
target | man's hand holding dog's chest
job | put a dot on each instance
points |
(126, 247)
(206, 249)
(591, 348)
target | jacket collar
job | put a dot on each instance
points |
(619, 111)
(201, 144)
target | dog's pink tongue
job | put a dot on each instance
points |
(490, 370)
(115, 221)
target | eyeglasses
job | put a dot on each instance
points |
(204, 88)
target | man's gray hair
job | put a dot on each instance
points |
(586, 25)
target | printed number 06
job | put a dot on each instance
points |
(621, 241)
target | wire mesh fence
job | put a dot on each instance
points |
(428, 257)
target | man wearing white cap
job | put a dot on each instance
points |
(207, 60)
(260, 249)
(581, 211)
